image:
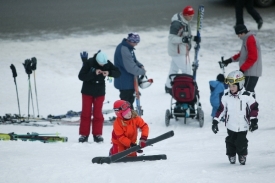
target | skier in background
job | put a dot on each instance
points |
(125, 128)
(179, 44)
(93, 73)
(249, 57)
(125, 59)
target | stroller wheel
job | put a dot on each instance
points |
(200, 116)
(167, 117)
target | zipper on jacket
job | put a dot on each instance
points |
(241, 104)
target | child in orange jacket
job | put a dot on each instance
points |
(125, 128)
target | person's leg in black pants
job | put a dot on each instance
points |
(250, 84)
(128, 95)
(249, 5)
(239, 11)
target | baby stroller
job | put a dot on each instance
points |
(185, 101)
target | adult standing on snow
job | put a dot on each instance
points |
(179, 43)
(93, 73)
(125, 59)
(249, 58)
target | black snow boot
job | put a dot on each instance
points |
(232, 159)
(242, 159)
(98, 138)
(83, 138)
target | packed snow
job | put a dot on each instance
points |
(194, 154)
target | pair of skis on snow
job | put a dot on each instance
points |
(122, 156)
(46, 138)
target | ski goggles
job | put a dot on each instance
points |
(233, 80)
(123, 107)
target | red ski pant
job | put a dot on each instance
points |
(119, 148)
(91, 106)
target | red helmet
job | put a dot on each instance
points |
(188, 11)
(121, 106)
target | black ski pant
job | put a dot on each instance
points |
(248, 4)
(250, 84)
(128, 95)
(236, 142)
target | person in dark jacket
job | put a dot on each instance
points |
(217, 88)
(249, 58)
(93, 73)
(248, 4)
(129, 67)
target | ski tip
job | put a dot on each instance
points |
(105, 160)
(172, 133)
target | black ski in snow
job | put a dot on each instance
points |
(134, 159)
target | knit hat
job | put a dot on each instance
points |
(220, 77)
(240, 28)
(101, 58)
(133, 37)
(188, 11)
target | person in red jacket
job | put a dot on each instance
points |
(125, 128)
(249, 58)
(93, 73)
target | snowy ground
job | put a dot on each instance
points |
(194, 154)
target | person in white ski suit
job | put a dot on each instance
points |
(240, 110)
(179, 44)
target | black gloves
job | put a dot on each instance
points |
(34, 62)
(186, 39)
(84, 56)
(226, 62)
(14, 73)
(254, 124)
(215, 128)
(197, 39)
(28, 66)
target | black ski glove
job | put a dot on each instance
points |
(84, 56)
(226, 62)
(27, 65)
(215, 128)
(197, 39)
(186, 39)
(34, 61)
(133, 145)
(254, 124)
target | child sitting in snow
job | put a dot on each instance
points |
(241, 110)
(125, 128)
(217, 88)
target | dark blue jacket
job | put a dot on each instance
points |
(125, 60)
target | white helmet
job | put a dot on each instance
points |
(236, 77)
(143, 82)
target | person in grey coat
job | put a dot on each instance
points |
(179, 44)
(249, 58)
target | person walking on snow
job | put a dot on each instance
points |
(249, 58)
(125, 129)
(179, 44)
(93, 73)
(240, 110)
(125, 59)
(248, 4)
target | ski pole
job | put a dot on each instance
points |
(27, 66)
(14, 74)
(34, 61)
(222, 65)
